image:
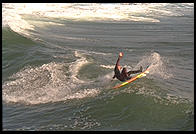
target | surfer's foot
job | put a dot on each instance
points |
(140, 68)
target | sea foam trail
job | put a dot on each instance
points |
(50, 82)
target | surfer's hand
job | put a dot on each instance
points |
(120, 54)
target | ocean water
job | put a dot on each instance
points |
(58, 62)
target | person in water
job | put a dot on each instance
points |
(123, 75)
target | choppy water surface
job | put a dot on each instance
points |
(58, 63)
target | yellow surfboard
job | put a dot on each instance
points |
(142, 74)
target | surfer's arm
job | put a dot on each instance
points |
(118, 62)
(117, 67)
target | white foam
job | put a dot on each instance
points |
(47, 83)
(104, 81)
(75, 66)
(13, 19)
(35, 85)
(84, 93)
(99, 53)
(108, 66)
(12, 12)
(93, 52)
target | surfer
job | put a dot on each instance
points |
(123, 75)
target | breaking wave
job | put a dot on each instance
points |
(50, 82)
(13, 13)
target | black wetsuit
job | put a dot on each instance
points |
(123, 75)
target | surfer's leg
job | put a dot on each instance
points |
(134, 72)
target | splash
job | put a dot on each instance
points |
(157, 65)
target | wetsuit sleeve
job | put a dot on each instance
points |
(117, 68)
(117, 62)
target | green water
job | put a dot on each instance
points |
(60, 78)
